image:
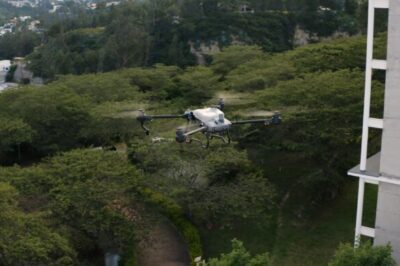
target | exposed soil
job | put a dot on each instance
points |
(163, 247)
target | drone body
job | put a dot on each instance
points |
(212, 118)
(210, 121)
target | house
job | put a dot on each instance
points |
(243, 9)
(114, 3)
(55, 9)
(33, 25)
(92, 6)
(4, 31)
(5, 65)
(24, 18)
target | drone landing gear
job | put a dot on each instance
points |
(205, 146)
(209, 137)
(226, 140)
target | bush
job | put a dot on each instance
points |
(366, 255)
(239, 256)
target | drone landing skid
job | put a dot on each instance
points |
(209, 137)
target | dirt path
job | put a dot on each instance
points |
(163, 247)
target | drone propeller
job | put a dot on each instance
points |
(276, 119)
(255, 114)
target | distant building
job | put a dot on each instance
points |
(4, 31)
(5, 65)
(92, 6)
(22, 74)
(24, 18)
(18, 60)
(115, 3)
(55, 8)
(243, 9)
(33, 25)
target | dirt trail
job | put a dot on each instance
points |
(163, 247)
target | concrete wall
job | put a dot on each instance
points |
(390, 157)
(387, 224)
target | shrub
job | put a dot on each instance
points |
(366, 255)
(239, 256)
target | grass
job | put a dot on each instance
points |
(310, 242)
(299, 237)
(314, 241)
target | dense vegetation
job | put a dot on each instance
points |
(271, 182)
(142, 33)
(18, 44)
(365, 255)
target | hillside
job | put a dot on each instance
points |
(279, 189)
(185, 33)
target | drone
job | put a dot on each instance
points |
(209, 121)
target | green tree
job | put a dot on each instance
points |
(26, 239)
(90, 194)
(55, 114)
(197, 84)
(93, 189)
(13, 133)
(234, 56)
(220, 187)
(127, 45)
(366, 255)
(239, 256)
(18, 44)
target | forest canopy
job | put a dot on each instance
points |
(91, 181)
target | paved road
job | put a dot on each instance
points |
(163, 247)
(2, 77)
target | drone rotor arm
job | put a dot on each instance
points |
(182, 136)
(143, 118)
(201, 129)
(166, 116)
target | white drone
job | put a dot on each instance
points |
(210, 121)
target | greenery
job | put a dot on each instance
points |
(240, 256)
(19, 44)
(90, 179)
(14, 132)
(85, 194)
(40, 246)
(143, 33)
(364, 255)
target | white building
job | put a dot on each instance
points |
(114, 3)
(5, 65)
(4, 31)
(33, 25)
(55, 8)
(24, 18)
(382, 169)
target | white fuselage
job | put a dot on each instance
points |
(212, 118)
